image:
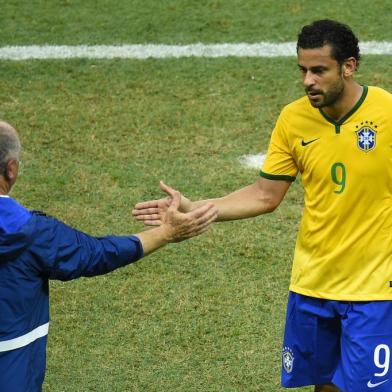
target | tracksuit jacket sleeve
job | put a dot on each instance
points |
(64, 253)
(33, 249)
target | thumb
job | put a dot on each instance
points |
(166, 188)
(176, 200)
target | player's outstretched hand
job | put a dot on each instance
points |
(152, 212)
(179, 226)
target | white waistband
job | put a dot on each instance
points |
(24, 340)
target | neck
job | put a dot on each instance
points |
(350, 96)
(4, 187)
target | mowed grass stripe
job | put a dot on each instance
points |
(262, 49)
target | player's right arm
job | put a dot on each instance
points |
(261, 197)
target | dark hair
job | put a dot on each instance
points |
(322, 32)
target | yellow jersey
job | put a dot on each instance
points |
(344, 245)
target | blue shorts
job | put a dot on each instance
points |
(344, 343)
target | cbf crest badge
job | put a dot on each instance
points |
(287, 359)
(366, 138)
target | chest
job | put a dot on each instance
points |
(361, 146)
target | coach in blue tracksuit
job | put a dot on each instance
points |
(35, 248)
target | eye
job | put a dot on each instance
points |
(318, 70)
(302, 70)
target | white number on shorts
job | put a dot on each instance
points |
(377, 359)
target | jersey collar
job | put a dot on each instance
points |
(348, 114)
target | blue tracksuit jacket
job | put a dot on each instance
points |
(33, 249)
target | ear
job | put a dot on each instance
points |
(11, 170)
(349, 67)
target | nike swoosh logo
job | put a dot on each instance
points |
(371, 385)
(303, 143)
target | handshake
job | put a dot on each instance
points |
(175, 219)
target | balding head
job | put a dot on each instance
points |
(10, 147)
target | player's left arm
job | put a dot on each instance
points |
(261, 197)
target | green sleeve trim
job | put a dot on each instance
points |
(276, 177)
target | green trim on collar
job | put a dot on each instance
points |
(348, 114)
(276, 177)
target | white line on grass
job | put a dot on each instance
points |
(262, 49)
(253, 161)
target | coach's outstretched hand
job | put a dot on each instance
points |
(180, 226)
(174, 225)
(152, 212)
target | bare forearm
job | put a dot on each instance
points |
(259, 198)
(243, 203)
(152, 239)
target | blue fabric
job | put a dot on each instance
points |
(12, 215)
(32, 252)
(348, 344)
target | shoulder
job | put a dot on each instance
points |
(50, 231)
(378, 93)
(296, 114)
(12, 215)
(296, 108)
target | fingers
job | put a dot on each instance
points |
(146, 211)
(194, 223)
(148, 222)
(142, 216)
(194, 232)
(200, 211)
(204, 216)
(202, 227)
(147, 204)
(175, 198)
(203, 222)
(208, 217)
(151, 213)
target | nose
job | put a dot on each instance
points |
(308, 79)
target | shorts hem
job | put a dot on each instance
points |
(304, 384)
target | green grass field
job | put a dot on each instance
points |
(203, 315)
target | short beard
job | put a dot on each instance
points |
(331, 96)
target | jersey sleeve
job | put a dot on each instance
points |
(63, 253)
(279, 163)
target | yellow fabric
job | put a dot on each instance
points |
(344, 244)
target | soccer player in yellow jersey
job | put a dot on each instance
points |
(338, 334)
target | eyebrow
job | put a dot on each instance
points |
(314, 68)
